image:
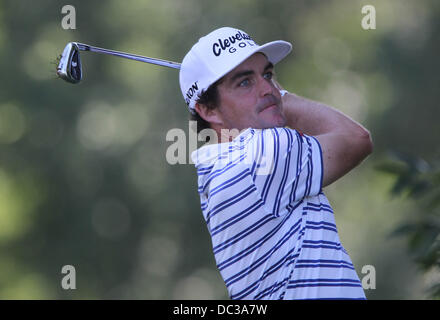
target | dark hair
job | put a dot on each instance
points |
(209, 98)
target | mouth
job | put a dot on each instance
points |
(270, 107)
(269, 103)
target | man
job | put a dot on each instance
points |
(260, 179)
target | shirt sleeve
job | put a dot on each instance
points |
(286, 167)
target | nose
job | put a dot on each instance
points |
(266, 86)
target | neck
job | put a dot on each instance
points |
(225, 134)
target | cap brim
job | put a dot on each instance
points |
(275, 51)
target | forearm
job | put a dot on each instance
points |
(344, 142)
(315, 118)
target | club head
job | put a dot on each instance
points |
(69, 67)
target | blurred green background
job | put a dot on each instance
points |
(83, 175)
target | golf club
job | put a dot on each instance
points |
(69, 67)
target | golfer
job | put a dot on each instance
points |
(262, 175)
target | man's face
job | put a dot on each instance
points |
(249, 98)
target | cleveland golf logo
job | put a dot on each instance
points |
(222, 44)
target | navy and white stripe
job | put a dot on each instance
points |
(273, 230)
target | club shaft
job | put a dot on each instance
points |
(160, 62)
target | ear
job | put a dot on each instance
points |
(212, 116)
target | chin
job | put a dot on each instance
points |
(272, 124)
(272, 118)
(276, 121)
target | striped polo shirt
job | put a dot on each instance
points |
(272, 228)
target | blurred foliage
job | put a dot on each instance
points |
(420, 182)
(83, 175)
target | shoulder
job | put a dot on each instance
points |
(278, 138)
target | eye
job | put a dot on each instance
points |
(244, 83)
(268, 75)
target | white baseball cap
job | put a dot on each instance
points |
(217, 53)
